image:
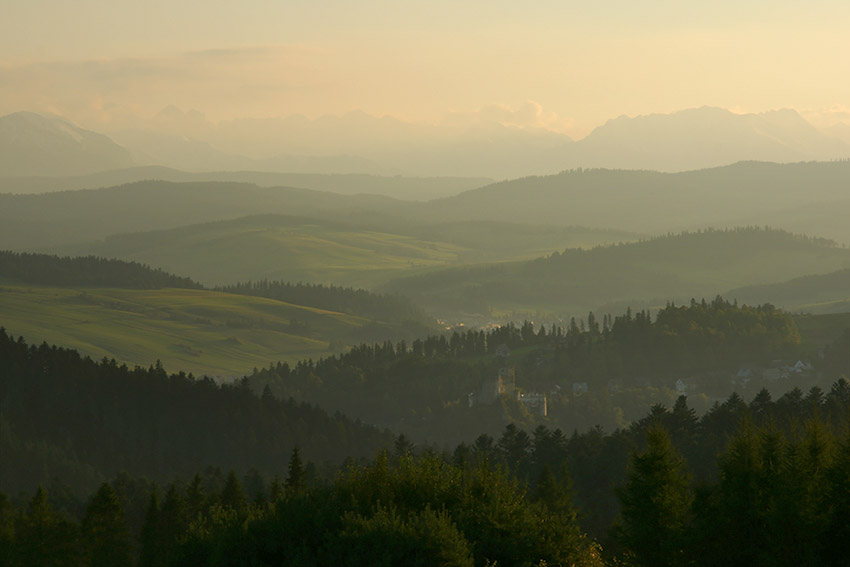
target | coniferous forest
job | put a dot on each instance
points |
(136, 466)
(107, 464)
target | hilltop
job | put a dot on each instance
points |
(674, 267)
(653, 202)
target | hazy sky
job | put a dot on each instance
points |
(112, 62)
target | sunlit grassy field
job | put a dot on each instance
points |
(269, 247)
(203, 332)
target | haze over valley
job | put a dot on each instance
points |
(456, 284)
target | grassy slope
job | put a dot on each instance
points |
(284, 248)
(198, 331)
(326, 251)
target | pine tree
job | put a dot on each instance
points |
(172, 521)
(104, 529)
(196, 501)
(45, 538)
(275, 490)
(836, 500)
(232, 495)
(7, 530)
(556, 495)
(747, 476)
(655, 503)
(403, 447)
(295, 481)
(151, 537)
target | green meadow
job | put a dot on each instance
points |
(198, 331)
(281, 248)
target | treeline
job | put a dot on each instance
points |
(777, 502)
(382, 307)
(708, 242)
(682, 340)
(404, 511)
(422, 386)
(46, 269)
(764, 483)
(65, 416)
(595, 462)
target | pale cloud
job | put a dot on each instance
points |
(122, 92)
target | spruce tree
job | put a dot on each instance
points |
(104, 530)
(151, 538)
(232, 495)
(655, 503)
(45, 538)
(297, 476)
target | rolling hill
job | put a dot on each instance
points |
(280, 247)
(411, 188)
(654, 202)
(199, 331)
(674, 267)
(135, 314)
(802, 197)
(356, 254)
(824, 293)
(38, 221)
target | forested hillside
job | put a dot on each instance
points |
(71, 418)
(626, 363)
(673, 267)
(92, 271)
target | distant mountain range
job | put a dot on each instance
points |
(360, 143)
(704, 137)
(32, 144)
(181, 152)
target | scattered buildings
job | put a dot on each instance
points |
(504, 383)
(536, 403)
